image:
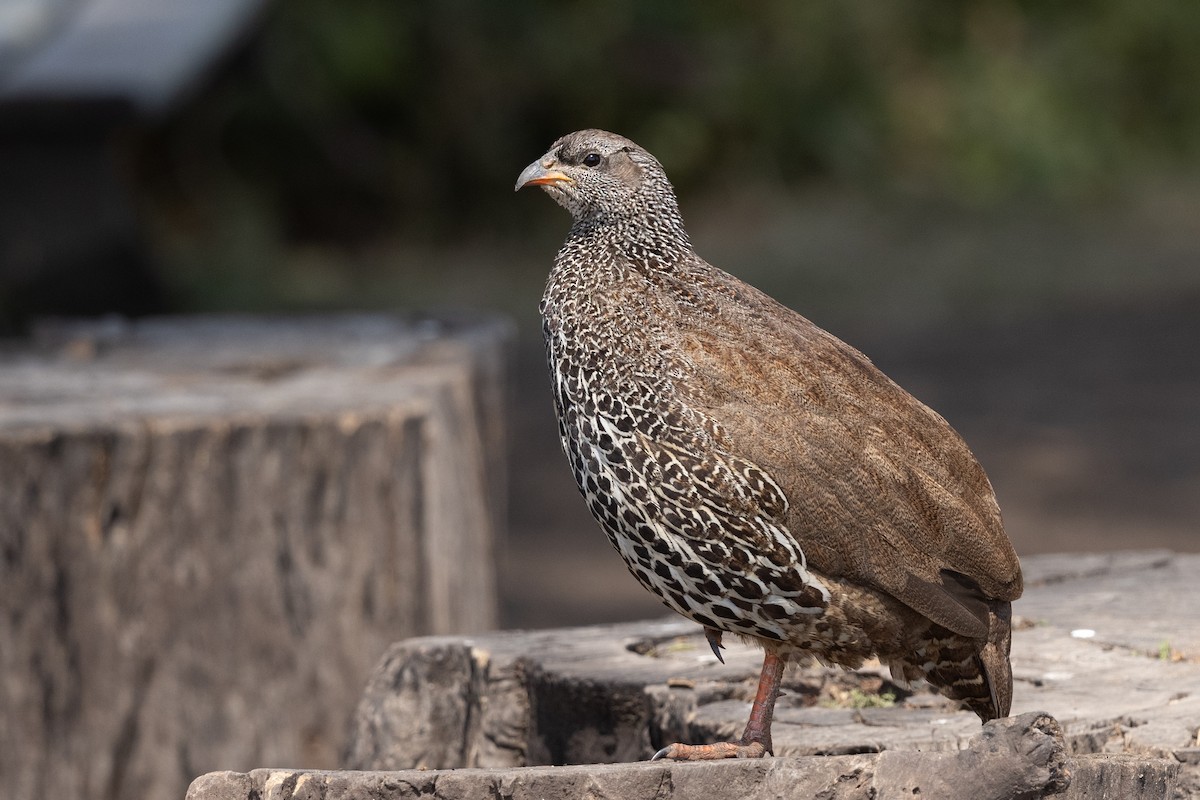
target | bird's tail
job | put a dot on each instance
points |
(979, 678)
(997, 670)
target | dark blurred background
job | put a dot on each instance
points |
(998, 200)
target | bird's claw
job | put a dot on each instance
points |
(714, 641)
(712, 752)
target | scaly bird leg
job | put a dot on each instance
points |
(756, 739)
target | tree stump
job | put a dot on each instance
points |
(1124, 685)
(212, 528)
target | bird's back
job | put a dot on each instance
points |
(880, 487)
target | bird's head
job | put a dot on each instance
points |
(596, 175)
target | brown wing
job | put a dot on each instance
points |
(880, 488)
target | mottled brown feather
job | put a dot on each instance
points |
(882, 490)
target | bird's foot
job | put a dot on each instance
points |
(707, 752)
(756, 739)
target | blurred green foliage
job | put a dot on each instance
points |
(430, 108)
(342, 122)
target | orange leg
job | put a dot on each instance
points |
(756, 739)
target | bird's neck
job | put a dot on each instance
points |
(653, 239)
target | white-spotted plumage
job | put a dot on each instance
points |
(676, 505)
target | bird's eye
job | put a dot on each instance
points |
(591, 159)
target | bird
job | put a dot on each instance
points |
(759, 475)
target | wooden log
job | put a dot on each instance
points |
(1018, 758)
(617, 693)
(211, 528)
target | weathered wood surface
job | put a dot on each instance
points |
(1019, 758)
(884, 776)
(1039, 764)
(1124, 702)
(212, 528)
(617, 693)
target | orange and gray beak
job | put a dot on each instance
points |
(541, 173)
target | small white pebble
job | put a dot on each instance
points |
(1083, 633)
(1058, 676)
